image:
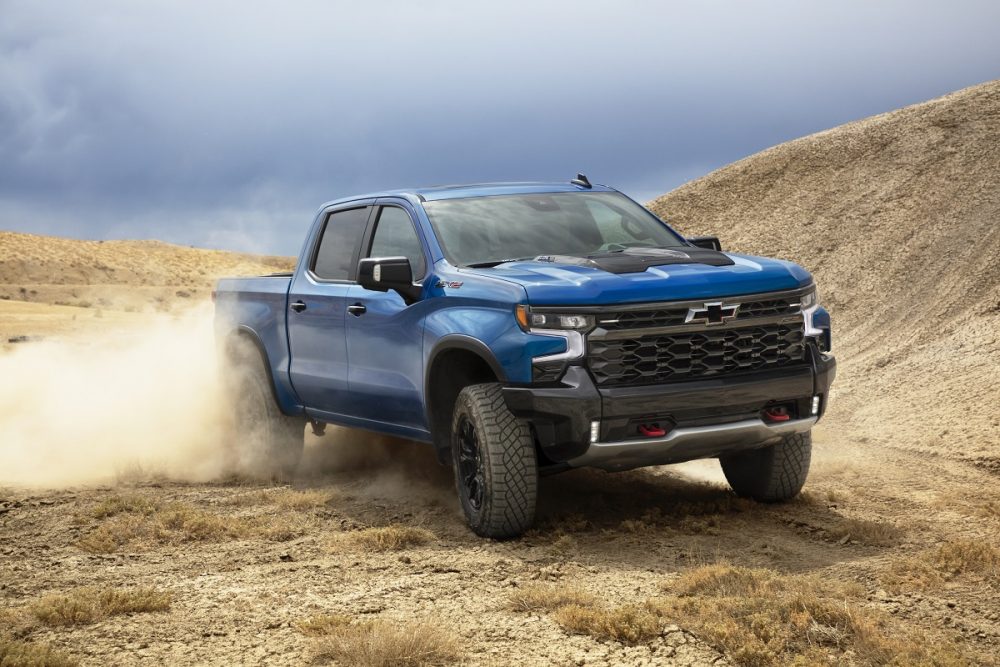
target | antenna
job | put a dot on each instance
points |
(581, 180)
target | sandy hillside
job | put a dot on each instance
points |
(143, 549)
(117, 274)
(898, 216)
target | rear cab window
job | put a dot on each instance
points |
(336, 254)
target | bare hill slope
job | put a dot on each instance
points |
(898, 216)
(116, 273)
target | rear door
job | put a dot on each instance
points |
(317, 302)
(384, 334)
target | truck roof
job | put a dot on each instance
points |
(437, 192)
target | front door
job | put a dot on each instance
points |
(385, 335)
(317, 307)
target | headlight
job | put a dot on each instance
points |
(532, 319)
(809, 299)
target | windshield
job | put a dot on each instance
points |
(485, 231)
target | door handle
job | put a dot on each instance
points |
(297, 306)
(357, 309)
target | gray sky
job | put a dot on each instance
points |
(226, 124)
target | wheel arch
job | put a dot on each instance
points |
(456, 362)
(244, 338)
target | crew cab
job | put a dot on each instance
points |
(523, 329)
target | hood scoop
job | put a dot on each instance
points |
(637, 260)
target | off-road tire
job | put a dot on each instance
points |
(505, 470)
(266, 442)
(771, 474)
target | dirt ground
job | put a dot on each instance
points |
(891, 555)
(621, 537)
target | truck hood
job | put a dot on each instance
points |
(551, 283)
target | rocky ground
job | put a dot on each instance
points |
(239, 596)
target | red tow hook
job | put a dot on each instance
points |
(651, 430)
(778, 414)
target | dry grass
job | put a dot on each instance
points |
(292, 499)
(179, 523)
(722, 581)
(387, 538)
(547, 597)
(910, 574)
(18, 653)
(124, 504)
(385, 643)
(629, 624)
(959, 557)
(863, 531)
(89, 605)
(760, 618)
(989, 509)
(323, 624)
(578, 612)
(117, 601)
(302, 500)
(951, 560)
(984, 505)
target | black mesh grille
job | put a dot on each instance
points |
(680, 356)
(674, 316)
(768, 308)
(642, 319)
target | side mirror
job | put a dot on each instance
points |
(382, 274)
(708, 242)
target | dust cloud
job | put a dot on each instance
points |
(388, 467)
(143, 398)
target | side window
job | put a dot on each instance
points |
(339, 245)
(395, 237)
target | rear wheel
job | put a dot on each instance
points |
(496, 470)
(267, 442)
(771, 474)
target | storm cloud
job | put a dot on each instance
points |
(226, 124)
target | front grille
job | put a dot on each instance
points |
(680, 356)
(670, 315)
(641, 319)
(768, 308)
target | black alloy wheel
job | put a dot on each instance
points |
(471, 473)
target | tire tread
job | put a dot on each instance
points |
(511, 463)
(772, 474)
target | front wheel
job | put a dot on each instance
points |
(771, 474)
(496, 470)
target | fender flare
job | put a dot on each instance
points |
(448, 343)
(469, 344)
(242, 333)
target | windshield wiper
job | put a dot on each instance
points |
(496, 262)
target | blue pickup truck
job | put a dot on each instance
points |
(523, 329)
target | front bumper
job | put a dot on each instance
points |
(684, 444)
(706, 418)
